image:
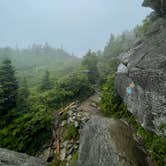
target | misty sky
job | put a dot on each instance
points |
(76, 24)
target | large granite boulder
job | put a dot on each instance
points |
(141, 79)
(158, 5)
(11, 158)
(108, 142)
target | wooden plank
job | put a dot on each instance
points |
(57, 144)
(66, 108)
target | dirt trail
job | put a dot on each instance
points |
(77, 114)
(90, 105)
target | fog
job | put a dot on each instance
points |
(77, 25)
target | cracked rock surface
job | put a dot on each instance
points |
(141, 78)
(109, 142)
(11, 158)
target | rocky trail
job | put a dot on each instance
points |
(83, 137)
(81, 132)
(68, 123)
(90, 105)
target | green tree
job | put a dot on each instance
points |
(22, 99)
(46, 83)
(8, 87)
(90, 64)
(111, 104)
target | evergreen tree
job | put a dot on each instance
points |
(22, 99)
(8, 87)
(46, 83)
(90, 63)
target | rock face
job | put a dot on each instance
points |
(158, 5)
(141, 79)
(10, 158)
(108, 142)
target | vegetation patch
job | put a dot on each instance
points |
(111, 104)
(70, 132)
(26, 112)
(73, 161)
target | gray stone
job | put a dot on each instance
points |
(11, 158)
(73, 117)
(70, 112)
(64, 144)
(93, 104)
(63, 154)
(70, 120)
(76, 124)
(69, 152)
(108, 142)
(143, 85)
(63, 123)
(122, 68)
(69, 157)
(47, 155)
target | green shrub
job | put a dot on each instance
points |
(156, 146)
(64, 116)
(73, 161)
(27, 133)
(111, 104)
(57, 163)
(71, 87)
(70, 132)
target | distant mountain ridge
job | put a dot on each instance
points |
(39, 58)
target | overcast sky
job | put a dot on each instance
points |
(76, 24)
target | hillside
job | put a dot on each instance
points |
(105, 109)
(33, 62)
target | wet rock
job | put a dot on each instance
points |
(11, 158)
(142, 82)
(108, 142)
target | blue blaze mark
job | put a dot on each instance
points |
(129, 90)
